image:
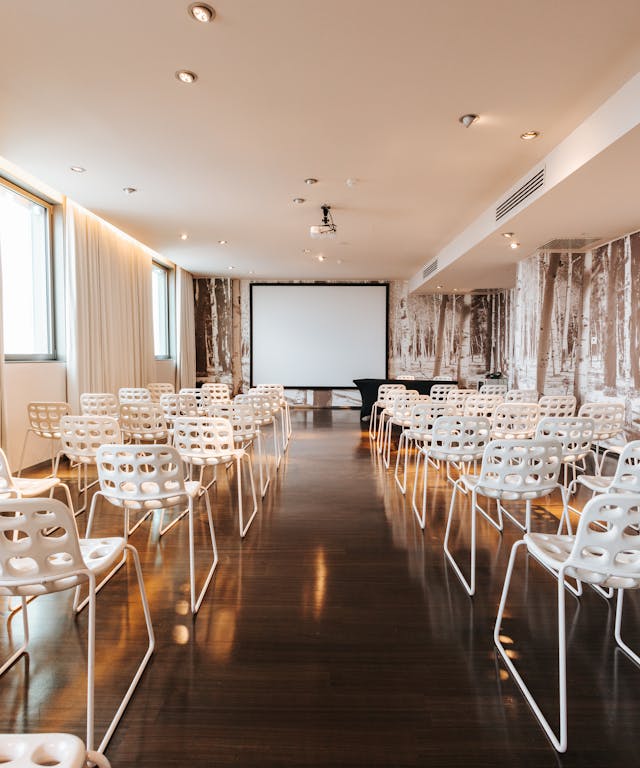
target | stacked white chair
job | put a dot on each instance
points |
(384, 391)
(493, 389)
(601, 553)
(397, 414)
(511, 470)
(143, 422)
(608, 418)
(514, 420)
(99, 404)
(44, 422)
(133, 395)
(458, 397)
(521, 396)
(417, 433)
(557, 406)
(159, 388)
(482, 405)
(439, 392)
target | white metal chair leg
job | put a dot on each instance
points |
(617, 632)
(25, 641)
(24, 449)
(372, 421)
(197, 602)
(470, 585)
(245, 528)
(404, 441)
(264, 484)
(420, 517)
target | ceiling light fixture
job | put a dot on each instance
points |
(186, 76)
(321, 257)
(467, 120)
(528, 135)
(184, 236)
(299, 200)
(514, 245)
(351, 183)
(230, 267)
(508, 235)
(311, 181)
(326, 228)
(201, 12)
(439, 287)
(307, 250)
(129, 190)
(77, 169)
(222, 242)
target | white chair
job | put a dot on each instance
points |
(208, 442)
(512, 470)
(33, 563)
(482, 405)
(493, 389)
(416, 433)
(521, 396)
(99, 404)
(44, 422)
(439, 392)
(575, 434)
(216, 391)
(143, 422)
(625, 480)
(601, 553)
(29, 750)
(201, 396)
(274, 399)
(457, 441)
(458, 397)
(608, 418)
(133, 395)
(80, 438)
(513, 420)
(159, 388)
(557, 406)
(28, 488)
(144, 478)
(262, 417)
(277, 392)
(380, 404)
(396, 414)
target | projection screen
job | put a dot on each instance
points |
(313, 336)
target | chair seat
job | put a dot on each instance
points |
(595, 482)
(33, 487)
(515, 494)
(142, 436)
(30, 750)
(419, 435)
(201, 459)
(511, 435)
(461, 458)
(165, 501)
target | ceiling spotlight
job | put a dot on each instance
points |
(439, 287)
(351, 183)
(222, 242)
(311, 181)
(252, 271)
(129, 190)
(201, 12)
(77, 169)
(326, 228)
(514, 245)
(184, 236)
(321, 257)
(307, 250)
(528, 135)
(339, 261)
(186, 76)
(508, 235)
(467, 120)
(299, 200)
(230, 267)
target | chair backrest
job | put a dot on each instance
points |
(459, 438)
(204, 435)
(159, 388)
(261, 404)
(441, 378)
(201, 396)
(493, 389)
(99, 404)
(386, 390)
(607, 416)
(405, 377)
(626, 478)
(270, 396)
(575, 434)
(401, 402)
(132, 475)
(144, 418)
(243, 420)
(520, 469)
(216, 391)
(423, 414)
(439, 392)
(482, 405)
(133, 395)
(606, 549)
(33, 558)
(515, 420)
(458, 397)
(81, 436)
(557, 405)
(521, 396)
(44, 417)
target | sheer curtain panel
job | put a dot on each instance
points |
(109, 320)
(186, 330)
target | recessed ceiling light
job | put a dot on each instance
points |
(311, 181)
(508, 235)
(339, 261)
(201, 12)
(77, 169)
(230, 267)
(129, 190)
(252, 271)
(222, 242)
(299, 200)
(455, 290)
(321, 257)
(184, 236)
(439, 287)
(186, 76)
(351, 183)
(467, 120)
(528, 135)
(307, 250)
(514, 245)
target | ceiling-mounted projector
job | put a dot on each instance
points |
(326, 228)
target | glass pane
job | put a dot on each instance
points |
(159, 284)
(24, 249)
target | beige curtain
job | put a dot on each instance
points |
(3, 410)
(109, 306)
(185, 330)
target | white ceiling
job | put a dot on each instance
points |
(292, 88)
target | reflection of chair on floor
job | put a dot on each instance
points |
(35, 749)
(32, 564)
(605, 551)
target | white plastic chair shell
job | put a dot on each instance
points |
(216, 391)
(439, 392)
(30, 750)
(159, 388)
(608, 418)
(457, 398)
(143, 421)
(81, 436)
(133, 395)
(575, 434)
(557, 406)
(493, 389)
(515, 420)
(99, 404)
(44, 421)
(482, 404)
(521, 396)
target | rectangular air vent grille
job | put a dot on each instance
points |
(573, 244)
(520, 195)
(430, 269)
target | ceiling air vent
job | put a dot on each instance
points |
(573, 244)
(430, 269)
(520, 195)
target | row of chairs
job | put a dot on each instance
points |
(604, 551)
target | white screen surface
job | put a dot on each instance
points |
(306, 336)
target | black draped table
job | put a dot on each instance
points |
(369, 389)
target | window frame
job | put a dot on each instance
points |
(50, 278)
(159, 265)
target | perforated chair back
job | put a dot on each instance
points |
(515, 420)
(158, 388)
(141, 476)
(557, 406)
(216, 392)
(482, 405)
(243, 420)
(608, 418)
(575, 434)
(7, 485)
(521, 396)
(458, 397)
(81, 436)
(143, 421)
(520, 469)
(32, 562)
(44, 418)
(385, 391)
(261, 404)
(424, 414)
(99, 404)
(270, 396)
(626, 478)
(438, 392)
(401, 403)
(459, 438)
(207, 435)
(493, 389)
(201, 396)
(133, 395)
(406, 377)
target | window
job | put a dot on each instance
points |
(160, 291)
(25, 246)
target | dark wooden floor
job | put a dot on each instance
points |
(333, 635)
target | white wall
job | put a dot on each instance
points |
(25, 383)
